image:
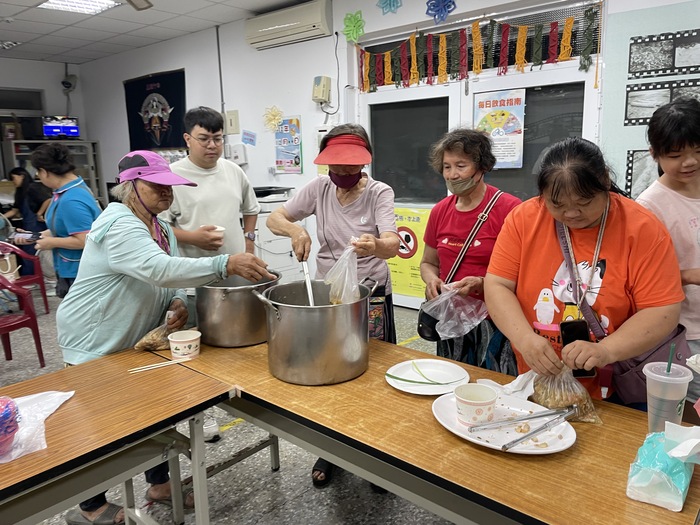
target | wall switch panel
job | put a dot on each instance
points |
(231, 123)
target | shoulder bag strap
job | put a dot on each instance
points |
(586, 309)
(481, 219)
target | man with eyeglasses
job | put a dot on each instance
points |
(222, 194)
(207, 220)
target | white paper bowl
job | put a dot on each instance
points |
(185, 344)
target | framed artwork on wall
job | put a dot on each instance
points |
(664, 54)
(155, 108)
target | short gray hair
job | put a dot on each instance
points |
(123, 192)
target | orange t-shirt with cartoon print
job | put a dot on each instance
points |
(637, 268)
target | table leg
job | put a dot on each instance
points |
(199, 470)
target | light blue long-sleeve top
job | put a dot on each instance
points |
(125, 284)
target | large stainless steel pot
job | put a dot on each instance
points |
(228, 314)
(315, 345)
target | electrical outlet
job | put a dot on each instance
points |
(231, 123)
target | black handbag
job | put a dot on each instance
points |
(427, 323)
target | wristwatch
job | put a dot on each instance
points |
(249, 235)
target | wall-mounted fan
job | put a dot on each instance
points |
(140, 5)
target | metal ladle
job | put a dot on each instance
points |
(309, 290)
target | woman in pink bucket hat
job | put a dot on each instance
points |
(130, 275)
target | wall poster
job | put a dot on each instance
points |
(644, 99)
(155, 108)
(641, 171)
(501, 114)
(288, 145)
(664, 54)
(405, 268)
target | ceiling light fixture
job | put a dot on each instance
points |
(140, 5)
(8, 44)
(87, 7)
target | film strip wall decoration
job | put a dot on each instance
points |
(664, 54)
(643, 99)
(641, 171)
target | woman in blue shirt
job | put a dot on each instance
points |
(70, 215)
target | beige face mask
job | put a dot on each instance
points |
(461, 186)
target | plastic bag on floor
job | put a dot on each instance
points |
(33, 411)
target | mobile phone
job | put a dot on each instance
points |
(576, 330)
(32, 236)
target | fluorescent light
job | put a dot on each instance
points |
(8, 44)
(88, 7)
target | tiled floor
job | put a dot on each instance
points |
(249, 492)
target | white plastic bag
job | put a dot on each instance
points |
(34, 410)
(343, 278)
(457, 315)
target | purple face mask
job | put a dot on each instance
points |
(345, 181)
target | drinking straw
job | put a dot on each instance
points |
(670, 357)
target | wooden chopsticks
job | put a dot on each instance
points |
(157, 365)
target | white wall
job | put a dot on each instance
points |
(46, 77)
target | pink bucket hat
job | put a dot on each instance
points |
(151, 167)
(346, 150)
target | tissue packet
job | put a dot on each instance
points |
(657, 478)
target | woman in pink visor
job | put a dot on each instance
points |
(348, 203)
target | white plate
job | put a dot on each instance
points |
(557, 439)
(435, 369)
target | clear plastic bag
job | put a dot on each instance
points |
(563, 390)
(457, 315)
(342, 278)
(157, 339)
(33, 410)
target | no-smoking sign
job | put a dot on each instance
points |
(408, 242)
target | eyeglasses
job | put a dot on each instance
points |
(204, 141)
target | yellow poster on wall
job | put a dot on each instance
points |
(405, 267)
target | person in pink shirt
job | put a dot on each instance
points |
(674, 140)
(348, 203)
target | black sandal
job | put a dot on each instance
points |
(325, 468)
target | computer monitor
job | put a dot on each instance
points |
(59, 126)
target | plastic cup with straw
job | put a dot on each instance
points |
(667, 386)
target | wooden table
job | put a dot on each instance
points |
(392, 439)
(103, 434)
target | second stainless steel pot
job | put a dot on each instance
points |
(229, 315)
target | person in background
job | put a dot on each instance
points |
(32, 199)
(674, 142)
(463, 157)
(69, 216)
(348, 203)
(130, 274)
(222, 195)
(529, 290)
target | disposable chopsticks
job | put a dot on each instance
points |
(157, 365)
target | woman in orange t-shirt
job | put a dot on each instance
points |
(629, 281)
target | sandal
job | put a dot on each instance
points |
(75, 517)
(168, 502)
(323, 467)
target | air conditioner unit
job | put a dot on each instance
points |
(294, 24)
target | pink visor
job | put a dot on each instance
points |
(348, 150)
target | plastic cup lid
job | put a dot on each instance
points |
(678, 373)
